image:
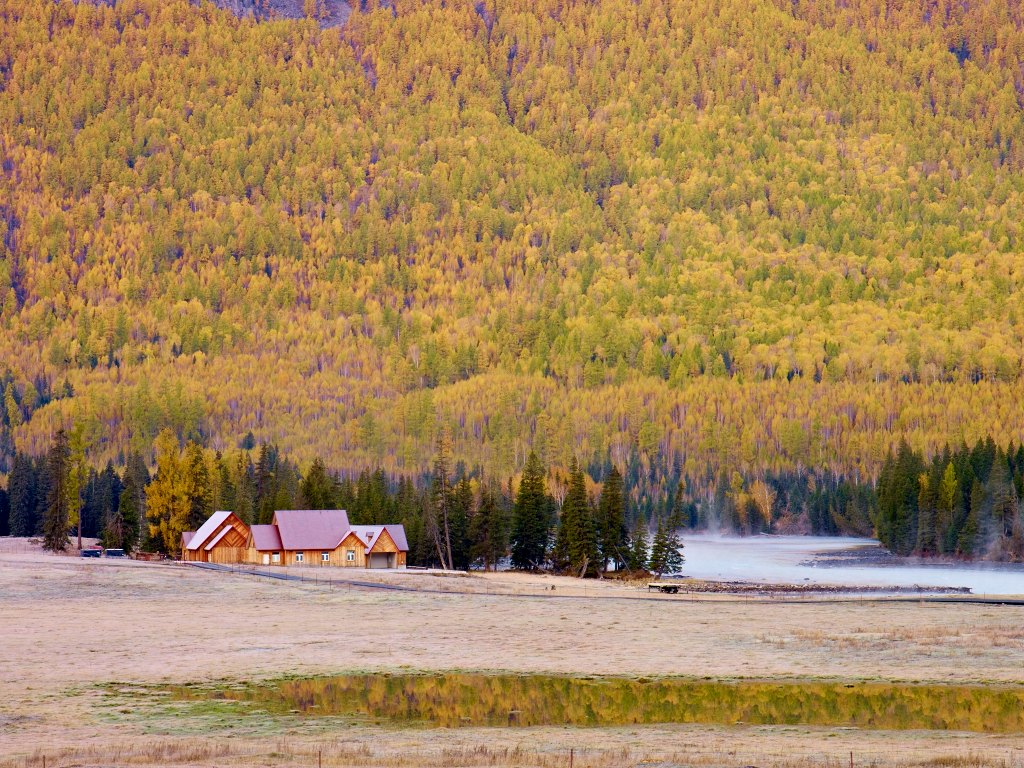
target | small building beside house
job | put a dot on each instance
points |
(221, 539)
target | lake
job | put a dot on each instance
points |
(821, 560)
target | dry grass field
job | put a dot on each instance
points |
(72, 627)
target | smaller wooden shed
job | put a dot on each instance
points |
(221, 539)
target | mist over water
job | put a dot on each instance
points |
(798, 560)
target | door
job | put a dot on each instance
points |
(266, 559)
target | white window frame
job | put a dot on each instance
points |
(275, 558)
(300, 556)
(350, 555)
(325, 557)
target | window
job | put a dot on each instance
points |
(275, 558)
(350, 555)
(298, 557)
(325, 557)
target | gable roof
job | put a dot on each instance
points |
(265, 537)
(207, 529)
(397, 534)
(311, 528)
(218, 537)
(186, 537)
(368, 535)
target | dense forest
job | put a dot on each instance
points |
(733, 245)
(453, 520)
(963, 503)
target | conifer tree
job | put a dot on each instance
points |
(639, 547)
(969, 542)
(575, 550)
(611, 520)
(58, 503)
(461, 514)
(531, 518)
(5, 513)
(244, 489)
(318, 488)
(666, 551)
(927, 503)
(489, 528)
(22, 487)
(129, 513)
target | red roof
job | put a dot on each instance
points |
(266, 538)
(311, 528)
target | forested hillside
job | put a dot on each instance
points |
(704, 237)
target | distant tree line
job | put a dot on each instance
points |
(965, 502)
(580, 520)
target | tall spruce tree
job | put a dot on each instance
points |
(244, 506)
(129, 512)
(137, 472)
(461, 518)
(56, 523)
(611, 521)
(23, 490)
(318, 489)
(576, 551)
(927, 512)
(639, 547)
(666, 550)
(489, 528)
(531, 518)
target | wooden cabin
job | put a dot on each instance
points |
(324, 537)
(221, 539)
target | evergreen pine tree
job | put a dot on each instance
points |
(639, 547)
(317, 489)
(531, 518)
(58, 504)
(666, 550)
(927, 506)
(128, 512)
(5, 513)
(489, 528)
(611, 519)
(244, 506)
(575, 550)
(461, 514)
(22, 487)
(969, 542)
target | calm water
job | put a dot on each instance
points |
(790, 560)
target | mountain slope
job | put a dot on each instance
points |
(715, 234)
